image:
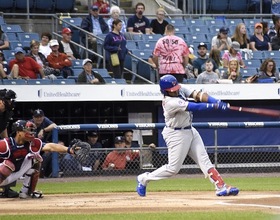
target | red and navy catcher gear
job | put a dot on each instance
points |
(168, 83)
(26, 126)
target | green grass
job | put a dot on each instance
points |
(173, 184)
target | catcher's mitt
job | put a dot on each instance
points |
(81, 150)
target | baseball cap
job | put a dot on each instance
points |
(224, 30)
(235, 45)
(19, 50)
(202, 44)
(119, 139)
(258, 25)
(54, 43)
(66, 31)
(38, 113)
(85, 61)
(91, 134)
(94, 8)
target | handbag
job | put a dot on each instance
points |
(115, 59)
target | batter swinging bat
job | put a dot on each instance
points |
(260, 111)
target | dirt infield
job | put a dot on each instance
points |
(130, 202)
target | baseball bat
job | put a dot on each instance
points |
(260, 111)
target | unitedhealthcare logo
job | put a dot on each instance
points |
(42, 94)
(140, 93)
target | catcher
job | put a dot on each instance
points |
(20, 156)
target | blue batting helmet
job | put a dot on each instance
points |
(168, 83)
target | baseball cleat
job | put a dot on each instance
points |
(227, 191)
(34, 195)
(141, 189)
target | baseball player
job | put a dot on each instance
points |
(181, 138)
(7, 104)
(20, 156)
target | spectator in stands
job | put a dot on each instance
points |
(199, 62)
(115, 45)
(233, 72)
(221, 41)
(59, 60)
(268, 70)
(103, 6)
(117, 159)
(42, 60)
(88, 76)
(128, 137)
(233, 53)
(265, 29)
(208, 76)
(240, 35)
(23, 67)
(44, 47)
(115, 14)
(138, 23)
(215, 56)
(44, 132)
(258, 41)
(275, 42)
(95, 156)
(4, 41)
(94, 24)
(158, 24)
(171, 54)
(65, 46)
(4, 67)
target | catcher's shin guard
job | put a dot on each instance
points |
(215, 178)
(30, 179)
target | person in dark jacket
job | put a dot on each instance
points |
(275, 41)
(94, 24)
(115, 43)
(88, 76)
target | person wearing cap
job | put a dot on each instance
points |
(65, 46)
(222, 41)
(4, 66)
(24, 67)
(103, 6)
(233, 53)
(44, 47)
(44, 127)
(41, 60)
(171, 54)
(208, 76)
(258, 41)
(138, 23)
(95, 24)
(4, 41)
(115, 44)
(88, 76)
(201, 58)
(59, 60)
(117, 159)
(95, 156)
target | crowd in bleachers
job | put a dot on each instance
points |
(251, 41)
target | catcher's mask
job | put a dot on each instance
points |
(28, 127)
(168, 83)
(8, 96)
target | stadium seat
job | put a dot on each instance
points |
(77, 71)
(252, 63)
(232, 21)
(177, 22)
(115, 81)
(131, 45)
(14, 82)
(275, 54)
(2, 21)
(64, 81)
(216, 22)
(257, 55)
(198, 29)
(103, 72)
(12, 37)
(77, 64)
(39, 81)
(146, 45)
(64, 6)
(9, 54)
(190, 21)
(248, 72)
(249, 21)
(15, 28)
(23, 44)
(74, 21)
(151, 37)
(197, 38)
(28, 36)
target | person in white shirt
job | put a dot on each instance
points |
(44, 47)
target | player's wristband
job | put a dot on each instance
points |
(68, 150)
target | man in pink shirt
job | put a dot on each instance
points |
(171, 54)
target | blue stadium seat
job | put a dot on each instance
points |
(248, 72)
(9, 54)
(14, 82)
(177, 22)
(47, 5)
(115, 81)
(151, 37)
(64, 6)
(2, 21)
(199, 38)
(22, 4)
(24, 44)
(252, 63)
(190, 21)
(216, 22)
(28, 36)
(131, 45)
(64, 81)
(103, 72)
(74, 21)
(257, 55)
(39, 81)
(250, 21)
(275, 54)
(214, 29)
(77, 64)
(15, 28)
(77, 71)
(198, 29)
(233, 21)
(182, 30)
(146, 45)
(73, 77)
(12, 37)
